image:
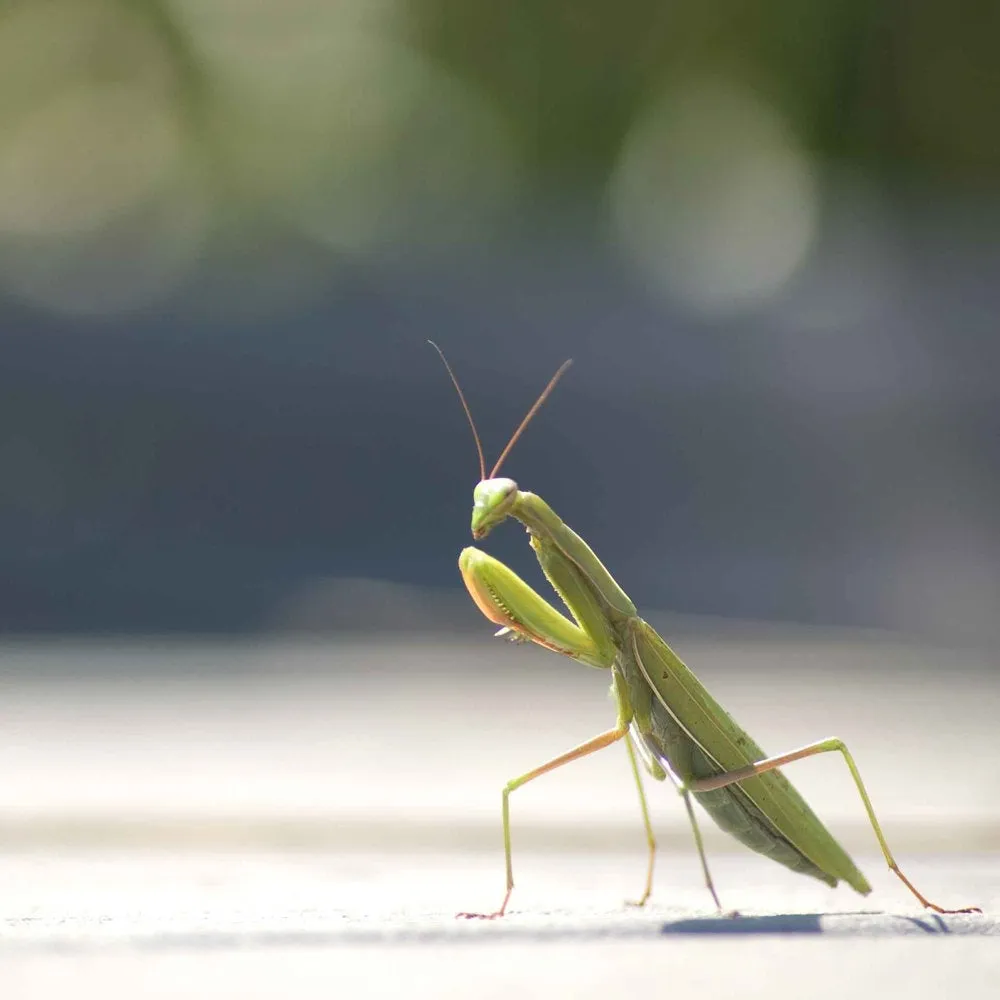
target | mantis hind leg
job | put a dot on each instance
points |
(825, 746)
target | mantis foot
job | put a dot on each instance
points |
(488, 916)
(924, 901)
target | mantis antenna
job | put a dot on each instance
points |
(528, 416)
(465, 406)
(546, 392)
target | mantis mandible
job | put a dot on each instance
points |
(666, 717)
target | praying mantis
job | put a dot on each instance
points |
(665, 716)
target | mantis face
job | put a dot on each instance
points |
(492, 502)
(491, 584)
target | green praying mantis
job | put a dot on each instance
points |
(666, 716)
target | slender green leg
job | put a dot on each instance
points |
(825, 746)
(650, 837)
(696, 830)
(583, 750)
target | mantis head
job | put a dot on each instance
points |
(492, 501)
(494, 497)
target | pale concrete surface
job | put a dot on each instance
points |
(278, 819)
(164, 924)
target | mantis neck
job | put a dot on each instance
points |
(543, 522)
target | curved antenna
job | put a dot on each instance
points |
(465, 406)
(528, 416)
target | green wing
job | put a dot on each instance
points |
(716, 735)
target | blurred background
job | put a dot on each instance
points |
(768, 234)
(769, 237)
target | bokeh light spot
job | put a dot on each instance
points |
(713, 199)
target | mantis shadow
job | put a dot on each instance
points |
(803, 923)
